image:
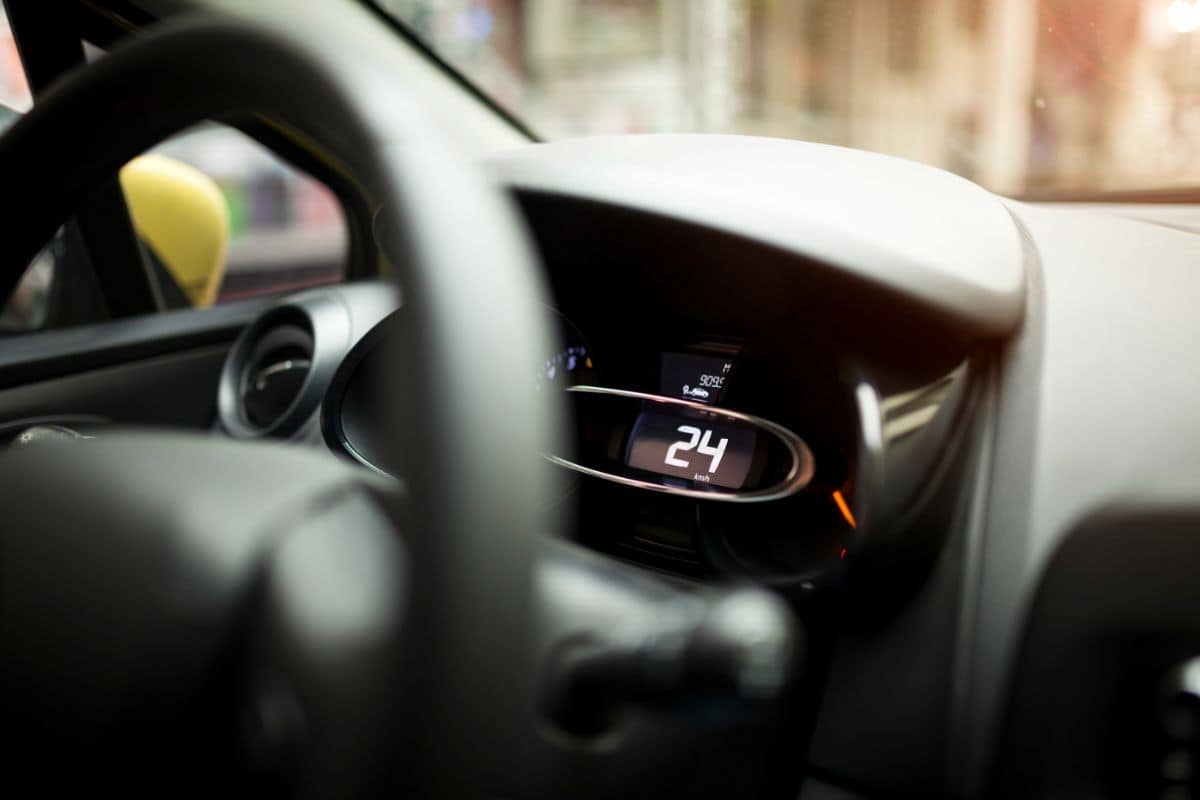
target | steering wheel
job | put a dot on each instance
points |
(194, 615)
(154, 587)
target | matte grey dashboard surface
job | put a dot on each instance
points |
(1097, 411)
(921, 232)
(1181, 216)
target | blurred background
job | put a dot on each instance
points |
(1027, 97)
(1020, 95)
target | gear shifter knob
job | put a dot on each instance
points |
(739, 646)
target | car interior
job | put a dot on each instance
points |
(678, 464)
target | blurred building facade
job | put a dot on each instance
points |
(1020, 95)
(1017, 94)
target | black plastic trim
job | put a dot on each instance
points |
(332, 429)
(34, 357)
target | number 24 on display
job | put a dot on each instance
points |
(704, 448)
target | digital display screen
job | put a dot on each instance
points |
(695, 376)
(696, 450)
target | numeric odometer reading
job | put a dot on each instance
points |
(694, 376)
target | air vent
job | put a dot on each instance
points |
(276, 368)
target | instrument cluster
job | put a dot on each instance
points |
(697, 456)
(708, 455)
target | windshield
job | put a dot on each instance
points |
(1023, 96)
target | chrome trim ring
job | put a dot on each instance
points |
(799, 476)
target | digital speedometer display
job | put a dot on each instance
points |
(697, 450)
(684, 448)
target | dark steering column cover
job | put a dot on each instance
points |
(115, 632)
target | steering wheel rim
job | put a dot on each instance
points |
(479, 500)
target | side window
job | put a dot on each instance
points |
(282, 230)
(220, 217)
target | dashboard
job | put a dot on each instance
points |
(696, 455)
(907, 417)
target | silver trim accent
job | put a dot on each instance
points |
(797, 478)
(287, 365)
(870, 419)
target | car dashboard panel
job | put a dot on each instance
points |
(745, 408)
(771, 382)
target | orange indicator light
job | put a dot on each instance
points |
(840, 501)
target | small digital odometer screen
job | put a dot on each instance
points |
(695, 376)
(695, 450)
